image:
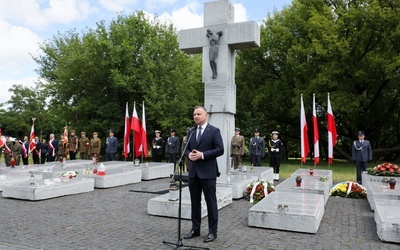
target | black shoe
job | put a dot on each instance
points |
(210, 237)
(191, 234)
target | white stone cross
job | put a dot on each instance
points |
(220, 88)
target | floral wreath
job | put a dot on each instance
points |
(385, 169)
(257, 190)
(349, 189)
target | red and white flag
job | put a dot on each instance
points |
(1, 141)
(144, 135)
(32, 144)
(303, 132)
(135, 126)
(65, 135)
(316, 135)
(127, 133)
(332, 135)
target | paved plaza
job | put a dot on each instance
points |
(117, 218)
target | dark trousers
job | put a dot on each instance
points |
(157, 157)
(50, 158)
(208, 186)
(72, 155)
(256, 160)
(110, 157)
(43, 158)
(83, 156)
(172, 158)
(25, 160)
(361, 166)
(35, 158)
(275, 162)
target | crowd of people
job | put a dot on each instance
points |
(56, 150)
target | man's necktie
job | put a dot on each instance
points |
(198, 134)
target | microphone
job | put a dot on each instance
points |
(192, 128)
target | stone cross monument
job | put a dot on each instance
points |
(218, 40)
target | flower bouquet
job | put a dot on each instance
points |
(385, 169)
(349, 189)
(256, 190)
(69, 174)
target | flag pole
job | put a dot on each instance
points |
(133, 139)
(141, 137)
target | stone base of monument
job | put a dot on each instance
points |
(9, 179)
(309, 185)
(377, 191)
(48, 188)
(317, 173)
(117, 177)
(155, 170)
(162, 206)
(304, 212)
(238, 180)
(387, 220)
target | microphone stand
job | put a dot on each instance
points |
(179, 243)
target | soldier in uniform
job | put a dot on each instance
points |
(73, 145)
(8, 150)
(257, 148)
(237, 148)
(275, 146)
(111, 146)
(361, 154)
(83, 146)
(158, 146)
(172, 147)
(17, 151)
(62, 148)
(53, 148)
(95, 145)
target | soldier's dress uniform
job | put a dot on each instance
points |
(172, 147)
(275, 147)
(73, 146)
(62, 150)
(361, 154)
(257, 149)
(95, 146)
(8, 154)
(83, 146)
(237, 149)
(158, 147)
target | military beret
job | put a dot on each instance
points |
(95, 133)
(72, 131)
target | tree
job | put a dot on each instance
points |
(347, 48)
(90, 76)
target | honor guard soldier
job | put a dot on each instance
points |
(172, 147)
(111, 146)
(8, 151)
(73, 145)
(17, 151)
(275, 146)
(83, 146)
(95, 146)
(158, 146)
(237, 148)
(257, 148)
(361, 153)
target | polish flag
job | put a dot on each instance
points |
(144, 136)
(65, 135)
(332, 135)
(127, 133)
(135, 126)
(316, 136)
(32, 144)
(303, 133)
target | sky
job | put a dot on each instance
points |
(24, 24)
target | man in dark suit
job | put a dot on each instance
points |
(204, 147)
(361, 153)
(53, 148)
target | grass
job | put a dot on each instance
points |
(342, 171)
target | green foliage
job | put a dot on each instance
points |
(349, 49)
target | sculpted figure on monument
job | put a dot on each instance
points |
(213, 52)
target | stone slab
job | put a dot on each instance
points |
(376, 191)
(305, 173)
(10, 179)
(305, 212)
(48, 188)
(118, 177)
(238, 180)
(308, 185)
(162, 206)
(155, 170)
(387, 218)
